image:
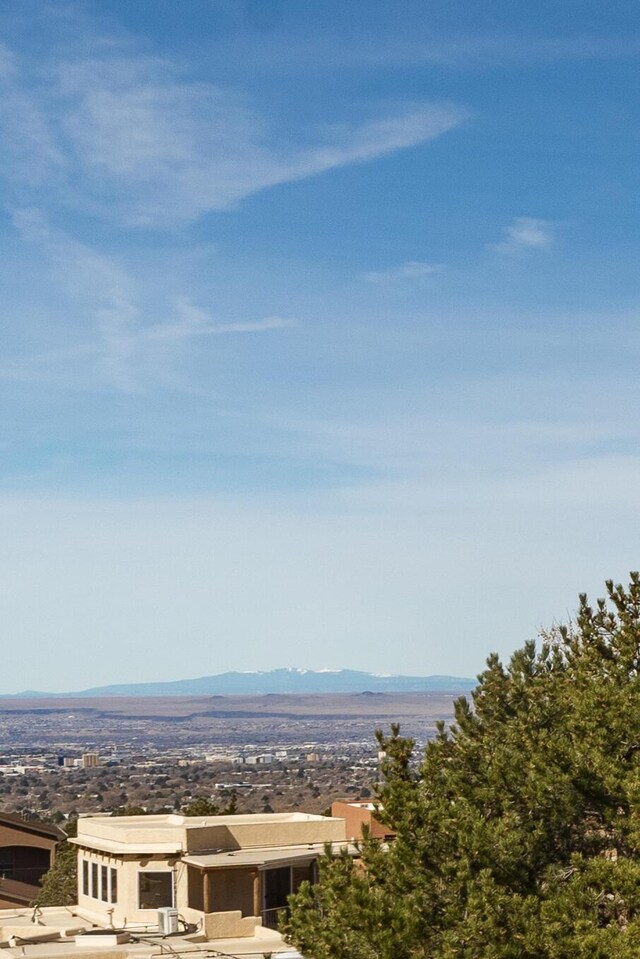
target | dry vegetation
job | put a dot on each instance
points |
(161, 754)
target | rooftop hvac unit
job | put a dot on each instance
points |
(167, 920)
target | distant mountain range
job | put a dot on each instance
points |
(289, 680)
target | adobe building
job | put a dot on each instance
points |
(27, 850)
(224, 876)
(358, 815)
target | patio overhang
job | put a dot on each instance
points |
(99, 844)
(269, 857)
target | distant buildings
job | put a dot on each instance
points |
(263, 759)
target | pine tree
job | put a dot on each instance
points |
(518, 834)
(207, 807)
(60, 883)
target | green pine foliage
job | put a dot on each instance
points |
(130, 810)
(207, 807)
(518, 834)
(60, 883)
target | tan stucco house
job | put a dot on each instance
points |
(225, 875)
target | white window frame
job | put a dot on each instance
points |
(95, 890)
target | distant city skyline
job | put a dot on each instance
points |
(320, 332)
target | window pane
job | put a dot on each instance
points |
(114, 885)
(6, 863)
(94, 880)
(300, 874)
(155, 889)
(85, 877)
(104, 891)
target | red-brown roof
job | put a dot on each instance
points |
(39, 828)
(19, 892)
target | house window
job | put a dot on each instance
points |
(110, 884)
(6, 863)
(104, 883)
(155, 889)
(99, 882)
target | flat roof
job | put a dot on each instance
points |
(57, 925)
(266, 817)
(174, 819)
(169, 834)
(127, 848)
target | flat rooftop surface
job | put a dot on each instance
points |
(171, 821)
(54, 922)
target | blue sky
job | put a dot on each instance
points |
(319, 331)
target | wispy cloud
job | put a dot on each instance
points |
(30, 153)
(113, 346)
(7, 61)
(193, 321)
(174, 151)
(255, 326)
(97, 284)
(145, 145)
(411, 270)
(524, 234)
(455, 51)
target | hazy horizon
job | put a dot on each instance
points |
(242, 672)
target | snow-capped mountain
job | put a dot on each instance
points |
(286, 680)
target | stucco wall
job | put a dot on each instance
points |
(241, 834)
(126, 908)
(356, 816)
